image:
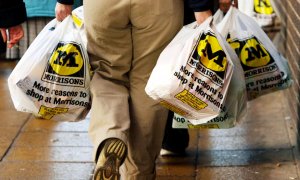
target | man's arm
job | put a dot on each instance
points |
(63, 8)
(203, 8)
(12, 13)
(224, 5)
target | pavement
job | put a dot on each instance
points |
(261, 146)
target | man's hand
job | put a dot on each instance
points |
(224, 5)
(15, 33)
(202, 16)
(62, 11)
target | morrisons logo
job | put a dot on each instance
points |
(263, 7)
(251, 52)
(209, 58)
(66, 65)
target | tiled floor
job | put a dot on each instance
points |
(260, 147)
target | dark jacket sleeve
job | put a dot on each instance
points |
(191, 6)
(67, 2)
(201, 5)
(12, 13)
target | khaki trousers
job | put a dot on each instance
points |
(125, 38)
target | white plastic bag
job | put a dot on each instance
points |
(193, 73)
(235, 106)
(260, 10)
(265, 69)
(52, 78)
(218, 16)
(77, 15)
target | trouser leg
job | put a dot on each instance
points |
(154, 24)
(125, 39)
(110, 52)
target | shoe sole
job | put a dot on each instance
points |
(115, 152)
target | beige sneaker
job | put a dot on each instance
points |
(165, 153)
(110, 159)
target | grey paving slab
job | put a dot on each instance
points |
(50, 154)
(282, 171)
(54, 126)
(244, 157)
(44, 139)
(257, 127)
(266, 108)
(45, 171)
(5, 97)
(177, 166)
(258, 131)
(180, 167)
(243, 142)
(12, 117)
(7, 135)
(2, 151)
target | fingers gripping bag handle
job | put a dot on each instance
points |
(52, 73)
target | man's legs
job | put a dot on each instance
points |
(120, 106)
(154, 24)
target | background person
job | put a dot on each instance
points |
(12, 14)
(39, 13)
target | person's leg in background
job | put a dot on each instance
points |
(175, 141)
(2, 47)
(119, 102)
